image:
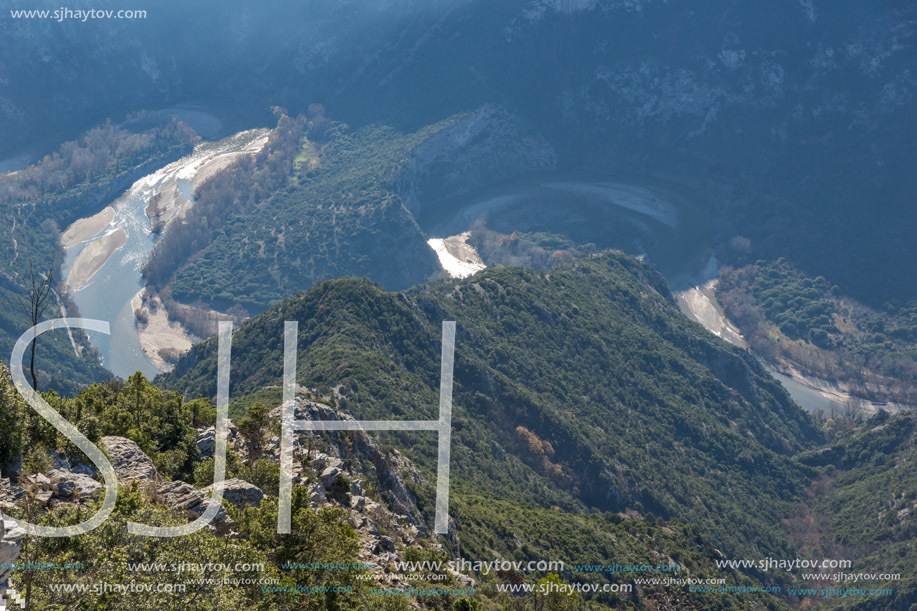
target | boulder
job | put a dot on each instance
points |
(59, 460)
(69, 484)
(329, 476)
(182, 496)
(64, 489)
(41, 481)
(43, 498)
(356, 488)
(207, 441)
(318, 494)
(129, 461)
(240, 493)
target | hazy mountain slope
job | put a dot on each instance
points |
(793, 117)
(622, 402)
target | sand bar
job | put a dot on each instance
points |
(93, 257)
(157, 333)
(87, 228)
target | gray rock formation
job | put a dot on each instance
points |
(390, 469)
(238, 492)
(207, 441)
(182, 496)
(71, 485)
(10, 538)
(129, 461)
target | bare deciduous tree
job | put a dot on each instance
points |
(39, 294)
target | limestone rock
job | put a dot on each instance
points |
(207, 441)
(129, 461)
(182, 496)
(10, 540)
(329, 476)
(69, 484)
(240, 493)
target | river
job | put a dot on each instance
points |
(107, 293)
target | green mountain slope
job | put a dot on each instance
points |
(581, 388)
(866, 502)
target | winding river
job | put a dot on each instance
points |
(104, 283)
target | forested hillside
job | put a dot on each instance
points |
(316, 203)
(864, 505)
(581, 387)
(806, 322)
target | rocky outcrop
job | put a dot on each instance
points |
(326, 457)
(10, 538)
(384, 514)
(238, 492)
(72, 486)
(129, 461)
(207, 440)
(182, 496)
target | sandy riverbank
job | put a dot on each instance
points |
(699, 304)
(837, 392)
(458, 258)
(172, 201)
(87, 228)
(162, 341)
(166, 205)
(93, 257)
(211, 168)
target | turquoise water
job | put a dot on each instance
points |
(107, 296)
